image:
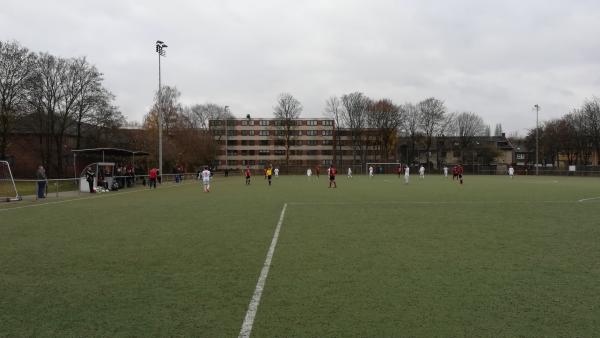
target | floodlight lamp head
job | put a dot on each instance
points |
(158, 42)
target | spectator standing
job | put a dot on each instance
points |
(152, 176)
(89, 177)
(42, 180)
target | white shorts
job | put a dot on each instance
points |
(206, 182)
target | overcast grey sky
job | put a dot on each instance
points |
(495, 58)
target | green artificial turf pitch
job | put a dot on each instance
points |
(374, 257)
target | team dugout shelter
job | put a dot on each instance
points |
(109, 165)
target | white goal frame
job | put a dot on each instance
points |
(375, 165)
(8, 198)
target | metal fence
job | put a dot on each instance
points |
(67, 187)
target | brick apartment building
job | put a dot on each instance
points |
(258, 142)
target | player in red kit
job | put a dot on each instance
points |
(454, 172)
(332, 173)
(247, 174)
(460, 173)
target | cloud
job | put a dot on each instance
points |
(494, 58)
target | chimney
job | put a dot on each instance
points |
(504, 135)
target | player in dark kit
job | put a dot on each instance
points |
(332, 173)
(247, 174)
(454, 172)
(460, 173)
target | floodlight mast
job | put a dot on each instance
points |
(160, 50)
(537, 111)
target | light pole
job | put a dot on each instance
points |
(160, 50)
(226, 138)
(537, 110)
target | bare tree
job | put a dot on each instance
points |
(468, 126)
(287, 111)
(333, 110)
(46, 97)
(578, 133)
(17, 69)
(591, 112)
(384, 116)
(432, 113)
(411, 124)
(354, 117)
(199, 115)
(498, 130)
(92, 96)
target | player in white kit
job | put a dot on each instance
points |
(276, 171)
(445, 171)
(349, 172)
(308, 173)
(205, 174)
(511, 172)
(422, 172)
(370, 171)
(406, 174)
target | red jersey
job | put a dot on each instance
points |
(247, 172)
(460, 170)
(153, 173)
(332, 172)
(455, 171)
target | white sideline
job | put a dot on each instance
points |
(253, 307)
(588, 199)
(89, 197)
(429, 202)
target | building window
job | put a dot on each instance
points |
(312, 152)
(264, 122)
(280, 152)
(244, 123)
(264, 142)
(520, 156)
(327, 162)
(327, 132)
(231, 132)
(311, 142)
(311, 123)
(328, 123)
(311, 133)
(327, 142)
(264, 152)
(264, 133)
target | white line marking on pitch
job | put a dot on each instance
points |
(427, 202)
(87, 198)
(588, 199)
(253, 307)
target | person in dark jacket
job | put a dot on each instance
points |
(40, 175)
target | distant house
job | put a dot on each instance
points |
(493, 153)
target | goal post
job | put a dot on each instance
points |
(382, 168)
(8, 188)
